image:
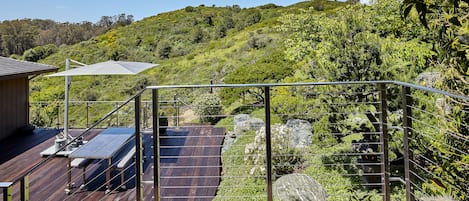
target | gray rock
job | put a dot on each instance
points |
(429, 79)
(437, 198)
(256, 124)
(230, 139)
(442, 104)
(298, 187)
(241, 123)
(302, 133)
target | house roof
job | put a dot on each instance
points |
(12, 68)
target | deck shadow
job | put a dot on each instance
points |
(171, 145)
(20, 143)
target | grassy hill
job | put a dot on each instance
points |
(310, 41)
(194, 45)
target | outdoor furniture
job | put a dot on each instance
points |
(104, 146)
(81, 163)
(121, 165)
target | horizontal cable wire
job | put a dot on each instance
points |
(329, 113)
(209, 177)
(442, 143)
(192, 197)
(125, 181)
(415, 175)
(422, 169)
(203, 187)
(348, 195)
(444, 117)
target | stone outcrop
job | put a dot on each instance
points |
(241, 124)
(301, 133)
(429, 79)
(298, 187)
(437, 198)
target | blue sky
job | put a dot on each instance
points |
(92, 10)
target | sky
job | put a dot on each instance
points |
(92, 10)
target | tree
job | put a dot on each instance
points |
(40, 52)
(16, 37)
(164, 49)
(359, 43)
(208, 107)
(448, 26)
(269, 69)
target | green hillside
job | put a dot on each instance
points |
(193, 45)
(307, 42)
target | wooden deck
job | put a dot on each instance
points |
(184, 174)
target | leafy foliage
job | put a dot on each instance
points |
(287, 159)
(448, 30)
(208, 107)
(18, 36)
(307, 42)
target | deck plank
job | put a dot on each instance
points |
(18, 156)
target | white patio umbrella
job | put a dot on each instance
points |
(108, 68)
(102, 68)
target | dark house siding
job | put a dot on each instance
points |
(14, 107)
(14, 93)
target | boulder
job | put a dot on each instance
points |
(241, 123)
(298, 187)
(437, 198)
(301, 133)
(256, 124)
(443, 106)
(429, 79)
(230, 139)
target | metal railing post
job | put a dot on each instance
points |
(58, 116)
(24, 188)
(175, 110)
(138, 157)
(145, 115)
(384, 143)
(407, 124)
(268, 143)
(117, 112)
(87, 115)
(156, 145)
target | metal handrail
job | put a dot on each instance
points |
(270, 84)
(399, 83)
(380, 84)
(40, 164)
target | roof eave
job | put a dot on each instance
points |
(26, 74)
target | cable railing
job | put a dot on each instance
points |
(382, 140)
(49, 114)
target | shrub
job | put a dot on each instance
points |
(285, 159)
(164, 49)
(189, 9)
(207, 107)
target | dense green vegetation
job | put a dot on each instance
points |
(21, 37)
(307, 42)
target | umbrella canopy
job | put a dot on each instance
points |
(102, 68)
(108, 68)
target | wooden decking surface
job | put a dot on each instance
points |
(180, 162)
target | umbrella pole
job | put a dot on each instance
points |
(67, 86)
